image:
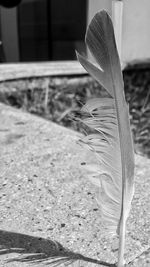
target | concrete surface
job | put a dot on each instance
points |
(45, 196)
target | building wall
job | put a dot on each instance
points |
(136, 30)
(136, 27)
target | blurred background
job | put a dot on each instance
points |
(48, 32)
(45, 30)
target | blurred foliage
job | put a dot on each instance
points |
(57, 99)
(137, 89)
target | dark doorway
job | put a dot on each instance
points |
(51, 29)
(68, 24)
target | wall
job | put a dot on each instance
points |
(136, 30)
(136, 27)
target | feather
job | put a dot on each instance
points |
(111, 141)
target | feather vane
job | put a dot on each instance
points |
(109, 118)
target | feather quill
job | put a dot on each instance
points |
(111, 141)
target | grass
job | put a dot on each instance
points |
(56, 98)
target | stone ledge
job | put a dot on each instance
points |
(43, 69)
(45, 193)
(17, 71)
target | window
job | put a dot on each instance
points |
(51, 29)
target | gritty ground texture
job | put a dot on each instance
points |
(45, 197)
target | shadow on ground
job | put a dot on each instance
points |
(33, 249)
